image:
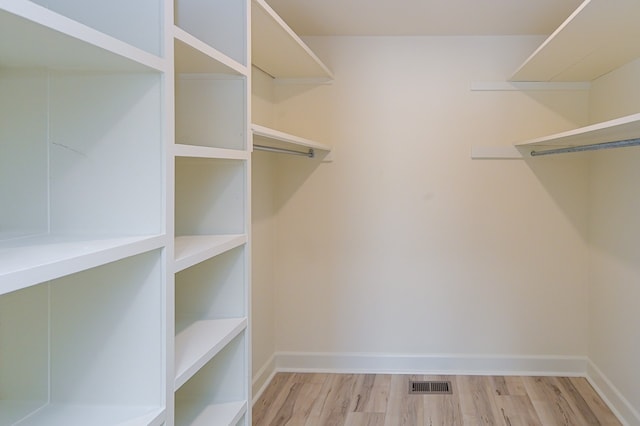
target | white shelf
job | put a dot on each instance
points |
(195, 151)
(95, 415)
(227, 414)
(278, 51)
(32, 36)
(278, 139)
(600, 36)
(195, 56)
(29, 261)
(623, 128)
(198, 343)
(193, 249)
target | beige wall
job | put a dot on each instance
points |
(404, 244)
(614, 230)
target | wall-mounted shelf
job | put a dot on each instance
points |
(278, 51)
(265, 136)
(618, 129)
(600, 36)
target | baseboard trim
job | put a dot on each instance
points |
(542, 365)
(612, 396)
(262, 378)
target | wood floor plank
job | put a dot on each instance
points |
(442, 410)
(384, 400)
(269, 402)
(364, 419)
(403, 409)
(597, 405)
(338, 400)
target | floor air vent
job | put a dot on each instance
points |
(429, 388)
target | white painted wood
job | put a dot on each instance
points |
(224, 414)
(212, 288)
(105, 160)
(277, 50)
(29, 261)
(207, 152)
(209, 197)
(138, 24)
(193, 249)
(219, 381)
(600, 36)
(81, 415)
(495, 153)
(278, 139)
(526, 86)
(210, 110)
(622, 128)
(195, 56)
(220, 24)
(199, 342)
(54, 41)
(384, 363)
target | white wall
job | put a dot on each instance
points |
(614, 229)
(404, 245)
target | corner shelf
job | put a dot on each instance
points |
(278, 51)
(623, 128)
(600, 36)
(277, 139)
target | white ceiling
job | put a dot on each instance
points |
(423, 17)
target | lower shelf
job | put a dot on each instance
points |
(198, 343)
(80, 415)
(226, 414)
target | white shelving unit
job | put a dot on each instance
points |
(278, 51)
(600, 36)
(81, 222)
(212, 186)
(123, 255)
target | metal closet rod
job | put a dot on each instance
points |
(309, 153)
(593, 147)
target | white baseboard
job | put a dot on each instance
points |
(431, 364)
(262, 378)
(612, 396)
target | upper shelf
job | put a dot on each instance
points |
(195, 56)
(33, 36)
(600, 36)
(278, 51)
(619, 129)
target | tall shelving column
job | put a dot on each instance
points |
(82, 235)
(212, 187)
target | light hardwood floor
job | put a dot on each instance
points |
(383, 400)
